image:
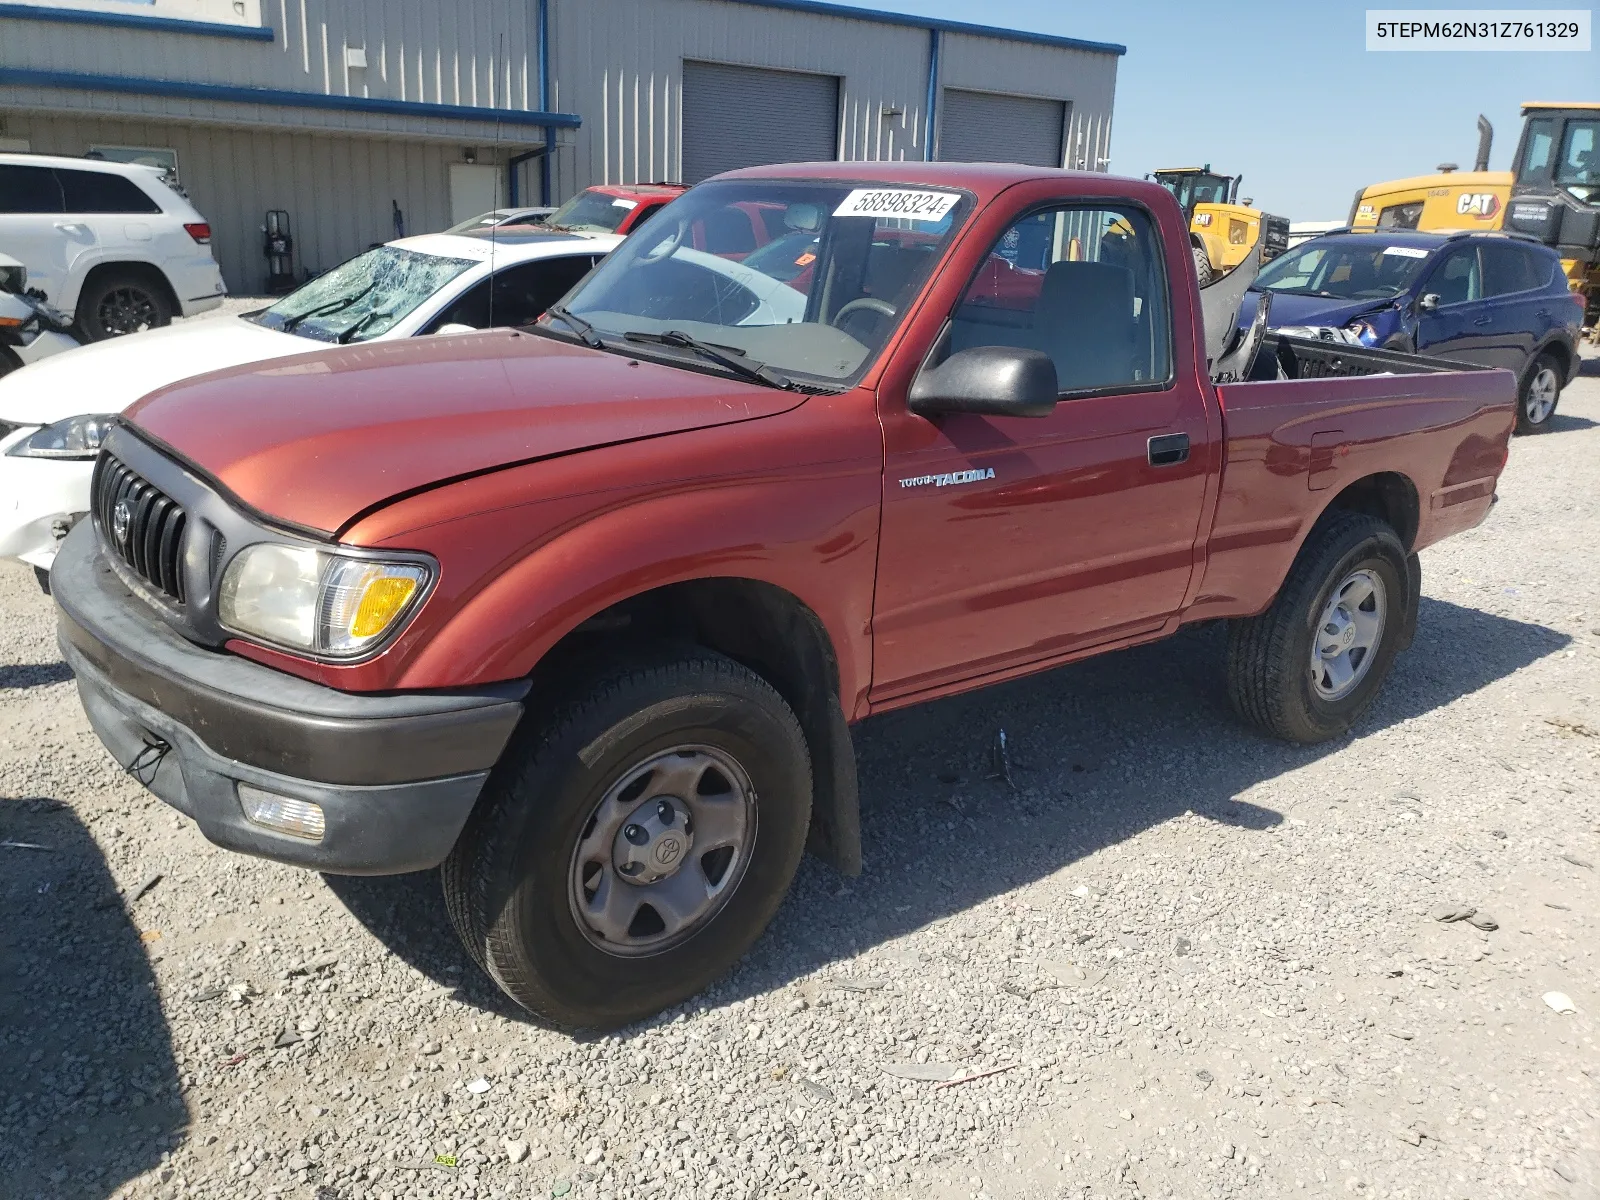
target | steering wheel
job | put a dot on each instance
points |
(867, 303)
(666, 245)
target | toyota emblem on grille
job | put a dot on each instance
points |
(121, 518)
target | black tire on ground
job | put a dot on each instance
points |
(510, 881)
(9, 361)
(1538, 393)
(118, 302)
(1270, 665)
(1203, 267)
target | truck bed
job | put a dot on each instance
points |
(1423, 438)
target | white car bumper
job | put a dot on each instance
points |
(39, 500)
(198, 283)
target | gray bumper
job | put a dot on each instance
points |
(395, 775)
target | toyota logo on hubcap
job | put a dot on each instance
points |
(667, 851)
(121, 519)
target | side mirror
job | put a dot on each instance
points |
(1428, 303)
(995, 381)
(456, 327)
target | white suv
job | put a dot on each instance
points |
(107, 242)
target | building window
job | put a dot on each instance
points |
(215, 12)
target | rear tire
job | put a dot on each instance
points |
(1203, 267)
(9, 361)
(1295, 671)
(602, 878)
(1538, 394)
(119, 302)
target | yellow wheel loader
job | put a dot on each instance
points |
(1552, 193)
(1222, 228)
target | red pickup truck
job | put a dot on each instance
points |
(584, 611)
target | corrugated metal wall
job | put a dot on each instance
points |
(619, 65)
(337, 189)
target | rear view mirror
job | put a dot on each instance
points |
(996, 381)
(1428, 303)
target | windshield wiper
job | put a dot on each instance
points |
(753, 371)
(582, 328)
(290, 324)
(348, 336)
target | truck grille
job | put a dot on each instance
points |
(140, 525)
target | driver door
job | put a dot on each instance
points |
(1012, 540)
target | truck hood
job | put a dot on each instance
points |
(318, 440)
(106, 377)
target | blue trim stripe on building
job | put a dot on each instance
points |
(80, 16)
(930, 131)
(819, 8)
(228, 93)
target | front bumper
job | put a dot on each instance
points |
(396, 775)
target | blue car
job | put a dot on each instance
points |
(1492, 298)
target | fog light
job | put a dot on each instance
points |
(297, 818)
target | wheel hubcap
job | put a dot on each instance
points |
(663, 850)
(1541, 395)
(1348, 635)
(127, 310)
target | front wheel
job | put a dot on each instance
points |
(118, 303)
(1203, 267)
(631, 848)
(1305, 669)
(1537, 397)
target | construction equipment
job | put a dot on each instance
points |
(1222, 228)
(1551, 193)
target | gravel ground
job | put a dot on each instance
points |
(1200, 963)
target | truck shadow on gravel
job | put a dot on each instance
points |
(88, 1082)
(1097, 752)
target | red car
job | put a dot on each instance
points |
(584, 611)
(613, 207)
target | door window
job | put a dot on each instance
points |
(521, 294)
(29, 190)
(1536, 157)
(1508, 268)
(88, 192)
(1083, 285)
(1457, 279)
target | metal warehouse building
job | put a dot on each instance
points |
(362, 118)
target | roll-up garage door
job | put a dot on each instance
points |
(745, 117)
(985, 127)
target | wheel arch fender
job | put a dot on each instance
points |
(107, 262)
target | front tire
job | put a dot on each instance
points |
(1202, 266)
(1538, 395)
(631, 847)
(120, 302)
(1309, 666)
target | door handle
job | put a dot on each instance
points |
(1169, 449)
(1483, 321)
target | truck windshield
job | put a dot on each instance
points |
(808, 277)
(1195, 187)
(364, 297)
(1358, 268)
(591, 211)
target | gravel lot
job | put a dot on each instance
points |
(1201, 963)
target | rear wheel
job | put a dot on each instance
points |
(119, 302)
(1540, 391)
(1305, 669)
(630, 848)
(1202, 266)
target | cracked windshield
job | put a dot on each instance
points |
(804, 278)
(364, 297)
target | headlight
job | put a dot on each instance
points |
(76, 437)
(318, 601)
(1363, 332)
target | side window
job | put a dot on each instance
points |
(99, 192)
(521, 293)
(29, 190)
(1456, 280)
(1083, 285)
(1401, 216)
(1541, 137)
(1508, 268)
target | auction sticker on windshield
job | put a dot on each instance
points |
(897, 202)
(1405, 251)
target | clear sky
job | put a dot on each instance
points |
(1287, 93)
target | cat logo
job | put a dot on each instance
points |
(1482, 205)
